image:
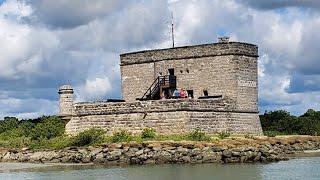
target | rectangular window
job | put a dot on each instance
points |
(205, 93)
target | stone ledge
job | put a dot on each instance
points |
(161, 111)
(104, 108)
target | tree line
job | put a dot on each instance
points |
(281, 122)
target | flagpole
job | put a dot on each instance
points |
(172, 29)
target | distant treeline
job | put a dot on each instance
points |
(31, 132)
(283, 123)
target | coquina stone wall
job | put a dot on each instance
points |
(165, 116)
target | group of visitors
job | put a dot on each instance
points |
(177, 93)
(180, 93)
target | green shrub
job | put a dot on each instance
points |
(24, 128)
(49, 127)
(18, 142)
(249, 136)
(223, 134)
(271, 133)
(10, 134)
(148, 133)
(60, 142)
(89, 137)
(41, 143)
(197, 135)
(8, 123)
(121, 136)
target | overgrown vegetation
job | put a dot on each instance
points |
(121, 136)
(283, 123)
(249, 136)
(47, 132)
(148, 133)
(32, 133)
(198, 135)
(223, 134)
(271, 133)
(90, 137)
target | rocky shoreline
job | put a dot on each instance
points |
(232, 150)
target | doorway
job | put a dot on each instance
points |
(171, 72)
(190, 94)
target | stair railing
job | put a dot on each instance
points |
(157, 83)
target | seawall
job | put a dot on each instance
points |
(233, 150)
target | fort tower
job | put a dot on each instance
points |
(65, 101)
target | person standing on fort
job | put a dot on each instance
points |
(185, 93)
(176, 93)
(182, 93)
(163, 95)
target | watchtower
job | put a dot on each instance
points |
(65, 101)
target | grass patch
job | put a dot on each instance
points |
(198, 135)
(172, 137)
(89, 137)
(121, 136)
(148, 133)
(249, 136)
(271, 133)
(223, 134)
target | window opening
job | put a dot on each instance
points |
(171, 72)
(205, 93)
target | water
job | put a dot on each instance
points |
(300, 168)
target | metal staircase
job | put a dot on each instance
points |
(158, 85)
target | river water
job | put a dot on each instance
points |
(299, 168)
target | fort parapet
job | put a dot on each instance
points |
(188, 52)
(165, 116)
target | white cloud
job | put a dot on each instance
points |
(27, 108)
(97, 88)
(15, 9)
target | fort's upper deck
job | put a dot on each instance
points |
(187, 52)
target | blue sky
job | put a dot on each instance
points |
(45, 44)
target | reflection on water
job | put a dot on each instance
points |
(302, 168)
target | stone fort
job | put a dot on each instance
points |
(220, 88)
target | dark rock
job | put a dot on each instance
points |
(227, 153)
(138, 153)
(210, 157)
(232, 160)
(99, 158)
(257, 157)
(134, 160)
(186, 159)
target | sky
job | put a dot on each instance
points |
(45, 44)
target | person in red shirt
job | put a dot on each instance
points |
(182, 93)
